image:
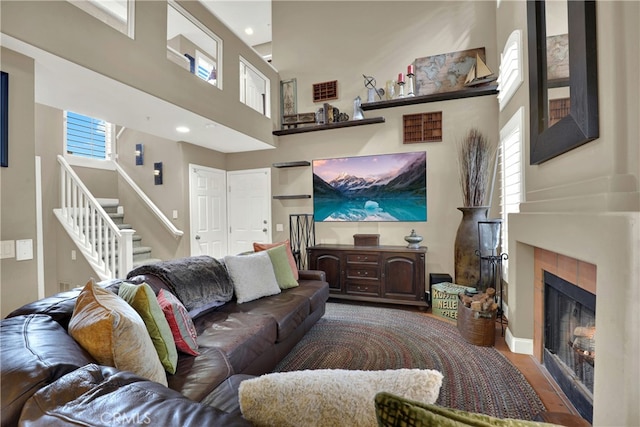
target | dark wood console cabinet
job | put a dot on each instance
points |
(387, 274)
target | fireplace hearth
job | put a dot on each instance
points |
(569, 340)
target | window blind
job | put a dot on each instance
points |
(511, 171)
(87, 136)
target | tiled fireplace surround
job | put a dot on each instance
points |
(587, 249)
(576, 272)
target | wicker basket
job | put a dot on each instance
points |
(478, 328)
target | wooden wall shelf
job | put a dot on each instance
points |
(328, 126)
(446, 96)
(292, 196)
(291, 164)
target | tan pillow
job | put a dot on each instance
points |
(114, 333)
(292, 262)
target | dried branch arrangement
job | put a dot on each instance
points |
(475, 156)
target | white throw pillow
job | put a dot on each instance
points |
(330, 397)
(252, 276)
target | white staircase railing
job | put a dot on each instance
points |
(108, 249)
(147, 201)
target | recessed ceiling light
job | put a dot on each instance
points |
(182, 129)
(248, 31)
(210, 125)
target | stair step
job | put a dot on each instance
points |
(109, 205)
(117, 218)
(125, 226)
(141, 250)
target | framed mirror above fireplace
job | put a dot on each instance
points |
(558, 125)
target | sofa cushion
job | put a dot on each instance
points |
(330, 397)
(143, 300)
(292, 262)
(315, 291)
(114, 334)
(281, 267)
(242, 337)
(102, 396)
(287, 309)
(182, 328)
(200, 282)
(196, 377)
(34, 352)
(252, 276)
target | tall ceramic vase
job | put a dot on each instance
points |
(467, 263)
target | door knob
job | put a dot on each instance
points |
(197, 237)
(264, 230)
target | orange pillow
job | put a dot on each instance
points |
(292, 262)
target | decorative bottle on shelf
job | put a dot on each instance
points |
(357, 109)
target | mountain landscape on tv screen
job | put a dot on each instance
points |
(393, 188)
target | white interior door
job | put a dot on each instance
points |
(208, 206)
(249, 202)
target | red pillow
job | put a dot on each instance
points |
(182, 328)
(292, 262)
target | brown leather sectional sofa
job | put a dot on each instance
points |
(48, 379)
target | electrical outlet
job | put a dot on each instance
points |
(73, 255)
(175, 214)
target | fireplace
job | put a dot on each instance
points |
(569, 340)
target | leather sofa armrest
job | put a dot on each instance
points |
(312, 275)
(103, 396)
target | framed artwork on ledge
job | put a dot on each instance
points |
(288, 97)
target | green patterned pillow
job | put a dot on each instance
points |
(394, 411)
(143, 300)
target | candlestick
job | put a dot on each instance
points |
(410, 70)
(400, 78)
(410, 86)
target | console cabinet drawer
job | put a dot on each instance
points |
(363, 289)
(370, 258)
(371, 273)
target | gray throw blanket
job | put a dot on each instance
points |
(199, 281)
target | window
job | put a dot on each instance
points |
(193, 46)
(206, 68)
(87, 137)
(511, 171)
(254, 88)
(115, 13)
(511, 68)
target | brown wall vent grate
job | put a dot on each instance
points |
(422, 127)
(325, 91)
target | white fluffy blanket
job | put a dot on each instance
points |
(330, 397)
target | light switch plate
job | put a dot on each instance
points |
(24, 249)
(279, 227)
(7, 249)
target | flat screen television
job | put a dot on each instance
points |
(382, 187)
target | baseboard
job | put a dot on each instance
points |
(518, 345)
